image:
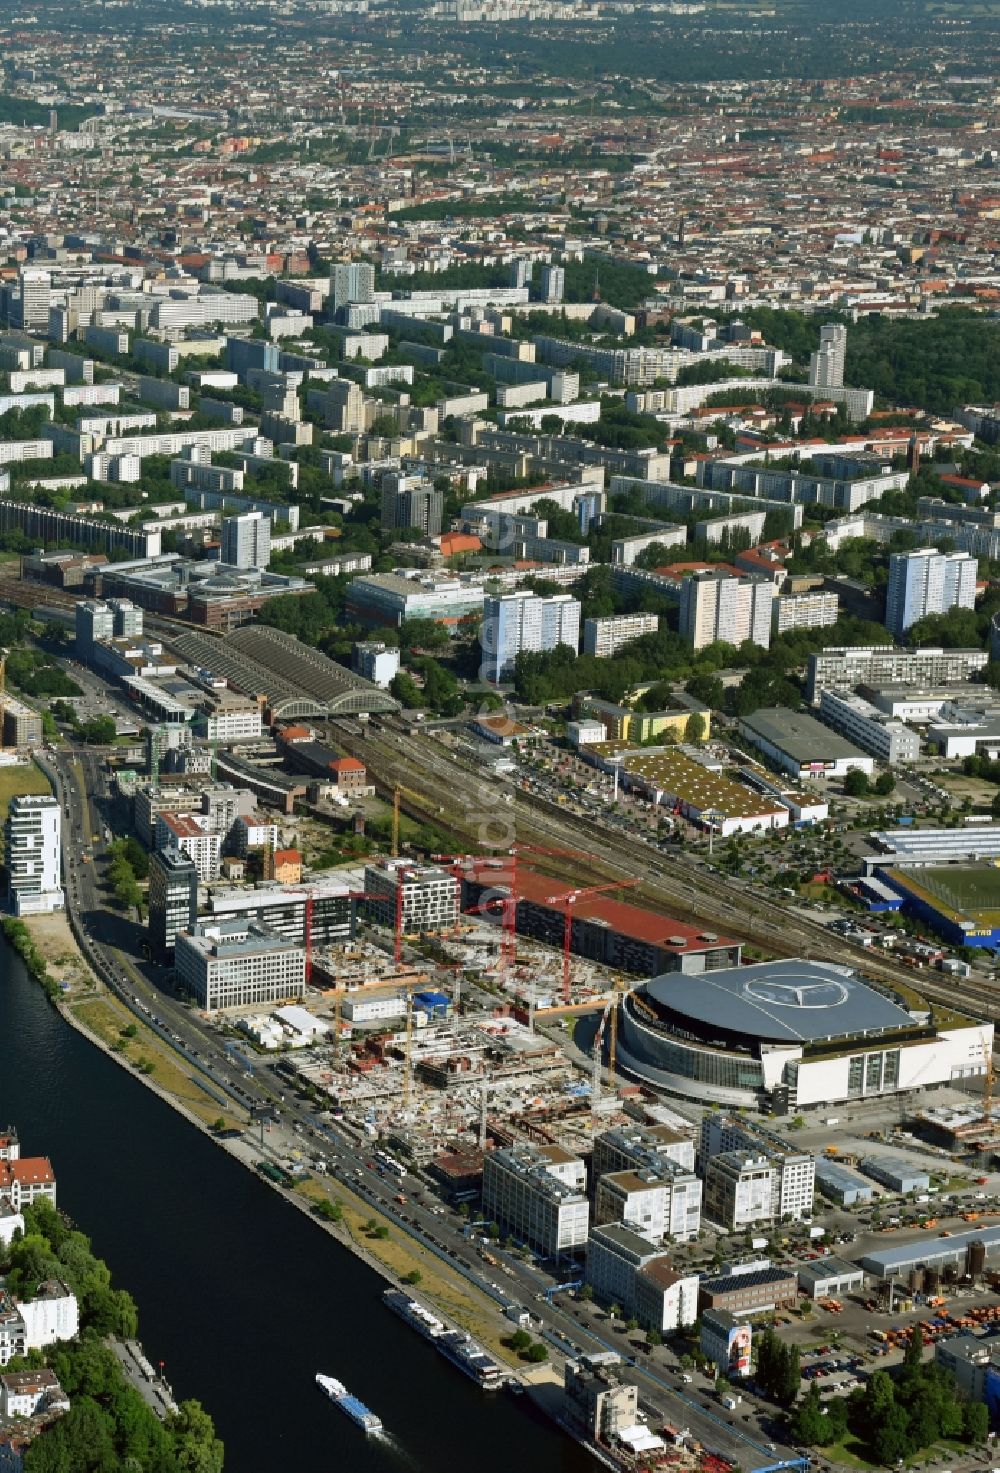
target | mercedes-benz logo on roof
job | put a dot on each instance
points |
(821, 993)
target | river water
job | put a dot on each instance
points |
(240, 1295)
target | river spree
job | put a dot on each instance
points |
(238, 1293)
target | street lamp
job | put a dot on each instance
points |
(711, 817)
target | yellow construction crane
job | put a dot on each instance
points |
(990, 1079)
(397, 793)
(620, 985)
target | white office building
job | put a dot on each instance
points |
(861, 722)
(368, 1011)
(625, 1268)
(236, 964)
(926, 581)
(32, 839)
(717, 606)
(377, 662)
(538, 1194)
(513, 622)
(740, 1190)
(246, 540)
(661, 1202)
(794, 1181)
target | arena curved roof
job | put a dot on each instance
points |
(793, 1001)
(296, 679)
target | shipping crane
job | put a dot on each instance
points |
(567, 901)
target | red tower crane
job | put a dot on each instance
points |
(507, 905)
(567, 901)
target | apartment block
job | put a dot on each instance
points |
(410, 501)
(536, 1193)
(842, 667)
(424, 896)
(350, 282)
(716, 606)
(513, 622)
(33, 855)
(805, 611)
(826, 366)
(926, 581)
(246, 540)
(602, 637)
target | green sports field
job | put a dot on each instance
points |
(970, 892)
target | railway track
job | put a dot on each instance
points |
(438, 781)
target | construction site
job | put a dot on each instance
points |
(465, 1049)
(442, 1023)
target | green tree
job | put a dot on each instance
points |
(975, 1422)
(856, 783)
(538, 1353)
(790, 1377)
(890, 1438)
(519, 1341)
(885, 784)
(100, 731)
(806, 1425)
(694, 729)
(196, 1447)
(913, 1357)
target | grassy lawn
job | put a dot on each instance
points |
(446, 1291)
(848, 1454)
(106, 1017)
(15, 782)
(851, 1452)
